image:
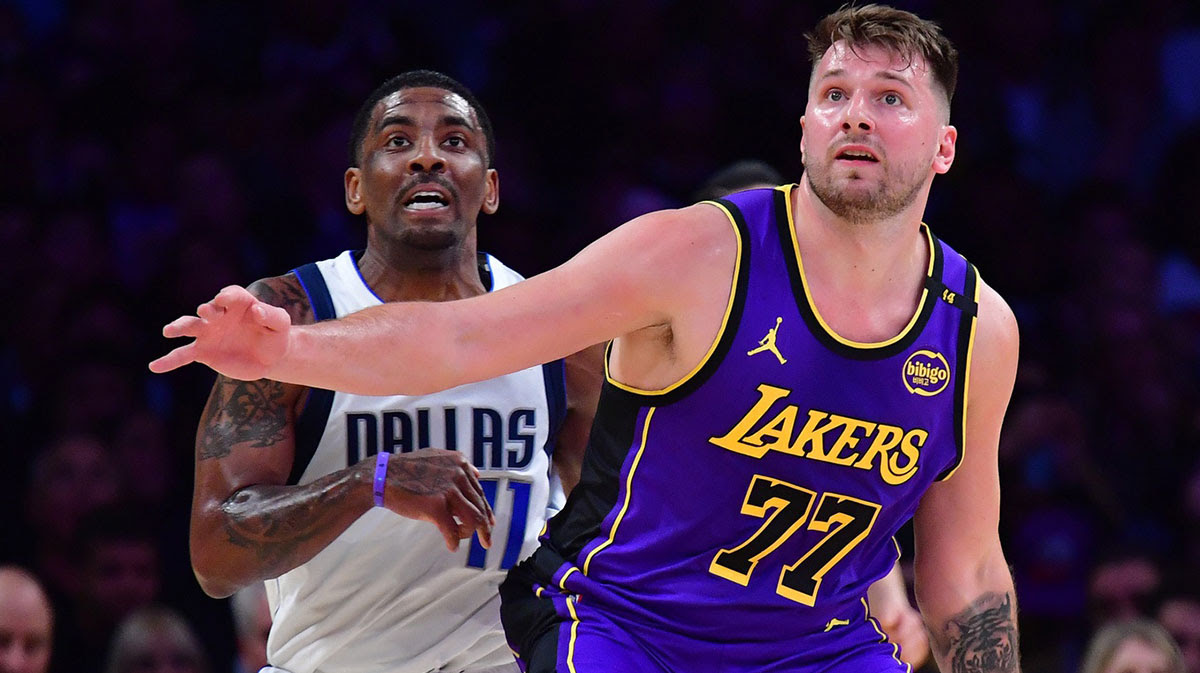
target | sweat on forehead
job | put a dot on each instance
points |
(455, 104)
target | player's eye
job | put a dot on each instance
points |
(456, 141)
(398, 141)
(835, 95)
(891, 99)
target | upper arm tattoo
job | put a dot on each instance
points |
(254, 412)
(239, 412)
(983, 638)
(286, 293)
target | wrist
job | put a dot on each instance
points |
(379, 480)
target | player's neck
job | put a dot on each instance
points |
(396, 273)
(865, 278)
(862, 256)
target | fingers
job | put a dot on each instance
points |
(476, 493)
(448, 527)
(174, 360)
(473, 518)
(233, 296)
(271, 317)
(187, 326)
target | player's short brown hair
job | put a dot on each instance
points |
(893, 29)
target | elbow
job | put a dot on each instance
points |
(214, 587)
(211, 564)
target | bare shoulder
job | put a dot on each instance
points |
(997, 336)
(696, 240)
(285, 292)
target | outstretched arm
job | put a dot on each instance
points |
(638, 276)
(963, 583)
(247, 524)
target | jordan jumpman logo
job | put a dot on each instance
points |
(767, 343)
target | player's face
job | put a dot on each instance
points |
(423, 177)
(875, 132)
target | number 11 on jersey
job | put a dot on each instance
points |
(518, 516)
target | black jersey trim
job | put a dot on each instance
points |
(822, 332)
(555, 376)
(724, 340)
(966, 343)
(310, 426)
(609, 445)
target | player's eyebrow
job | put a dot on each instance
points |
(883, 74)
(394, 120)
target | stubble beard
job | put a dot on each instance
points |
(888, 198)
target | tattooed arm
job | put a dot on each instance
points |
(963, 583)
(248, 525)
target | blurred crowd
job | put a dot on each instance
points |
(157, 150)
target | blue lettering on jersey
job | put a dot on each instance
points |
(496, 442)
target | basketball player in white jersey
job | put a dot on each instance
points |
(336, 500)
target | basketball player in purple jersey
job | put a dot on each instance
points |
(794, 373)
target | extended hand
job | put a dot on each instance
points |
(235, 334)
(439, 486)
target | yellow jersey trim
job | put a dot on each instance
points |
(612, 534)
(733, 288)
(562, 582)
(574, 634)
(885, 639)
(787, 190)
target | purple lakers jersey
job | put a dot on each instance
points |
(751, 504)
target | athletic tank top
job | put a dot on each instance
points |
(755, 500)
(386, 595)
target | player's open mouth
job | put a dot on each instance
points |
(426, 200)
(857, 154)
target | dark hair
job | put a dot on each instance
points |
(893, 29)
(738, 176)
(411, 80)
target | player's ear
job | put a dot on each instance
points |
(946, 148)
(354, 200)
(491, 194)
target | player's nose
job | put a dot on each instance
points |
(857, 115)
(427, 158)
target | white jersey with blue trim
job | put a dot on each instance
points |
(386, 595)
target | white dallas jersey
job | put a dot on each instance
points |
(386, 596)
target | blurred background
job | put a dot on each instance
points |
(154, 151)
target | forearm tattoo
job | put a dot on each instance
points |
(276, 521)
(983, 638)
(240, 412)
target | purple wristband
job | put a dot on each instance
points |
(381, 462)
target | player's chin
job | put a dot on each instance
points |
(432, 237)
